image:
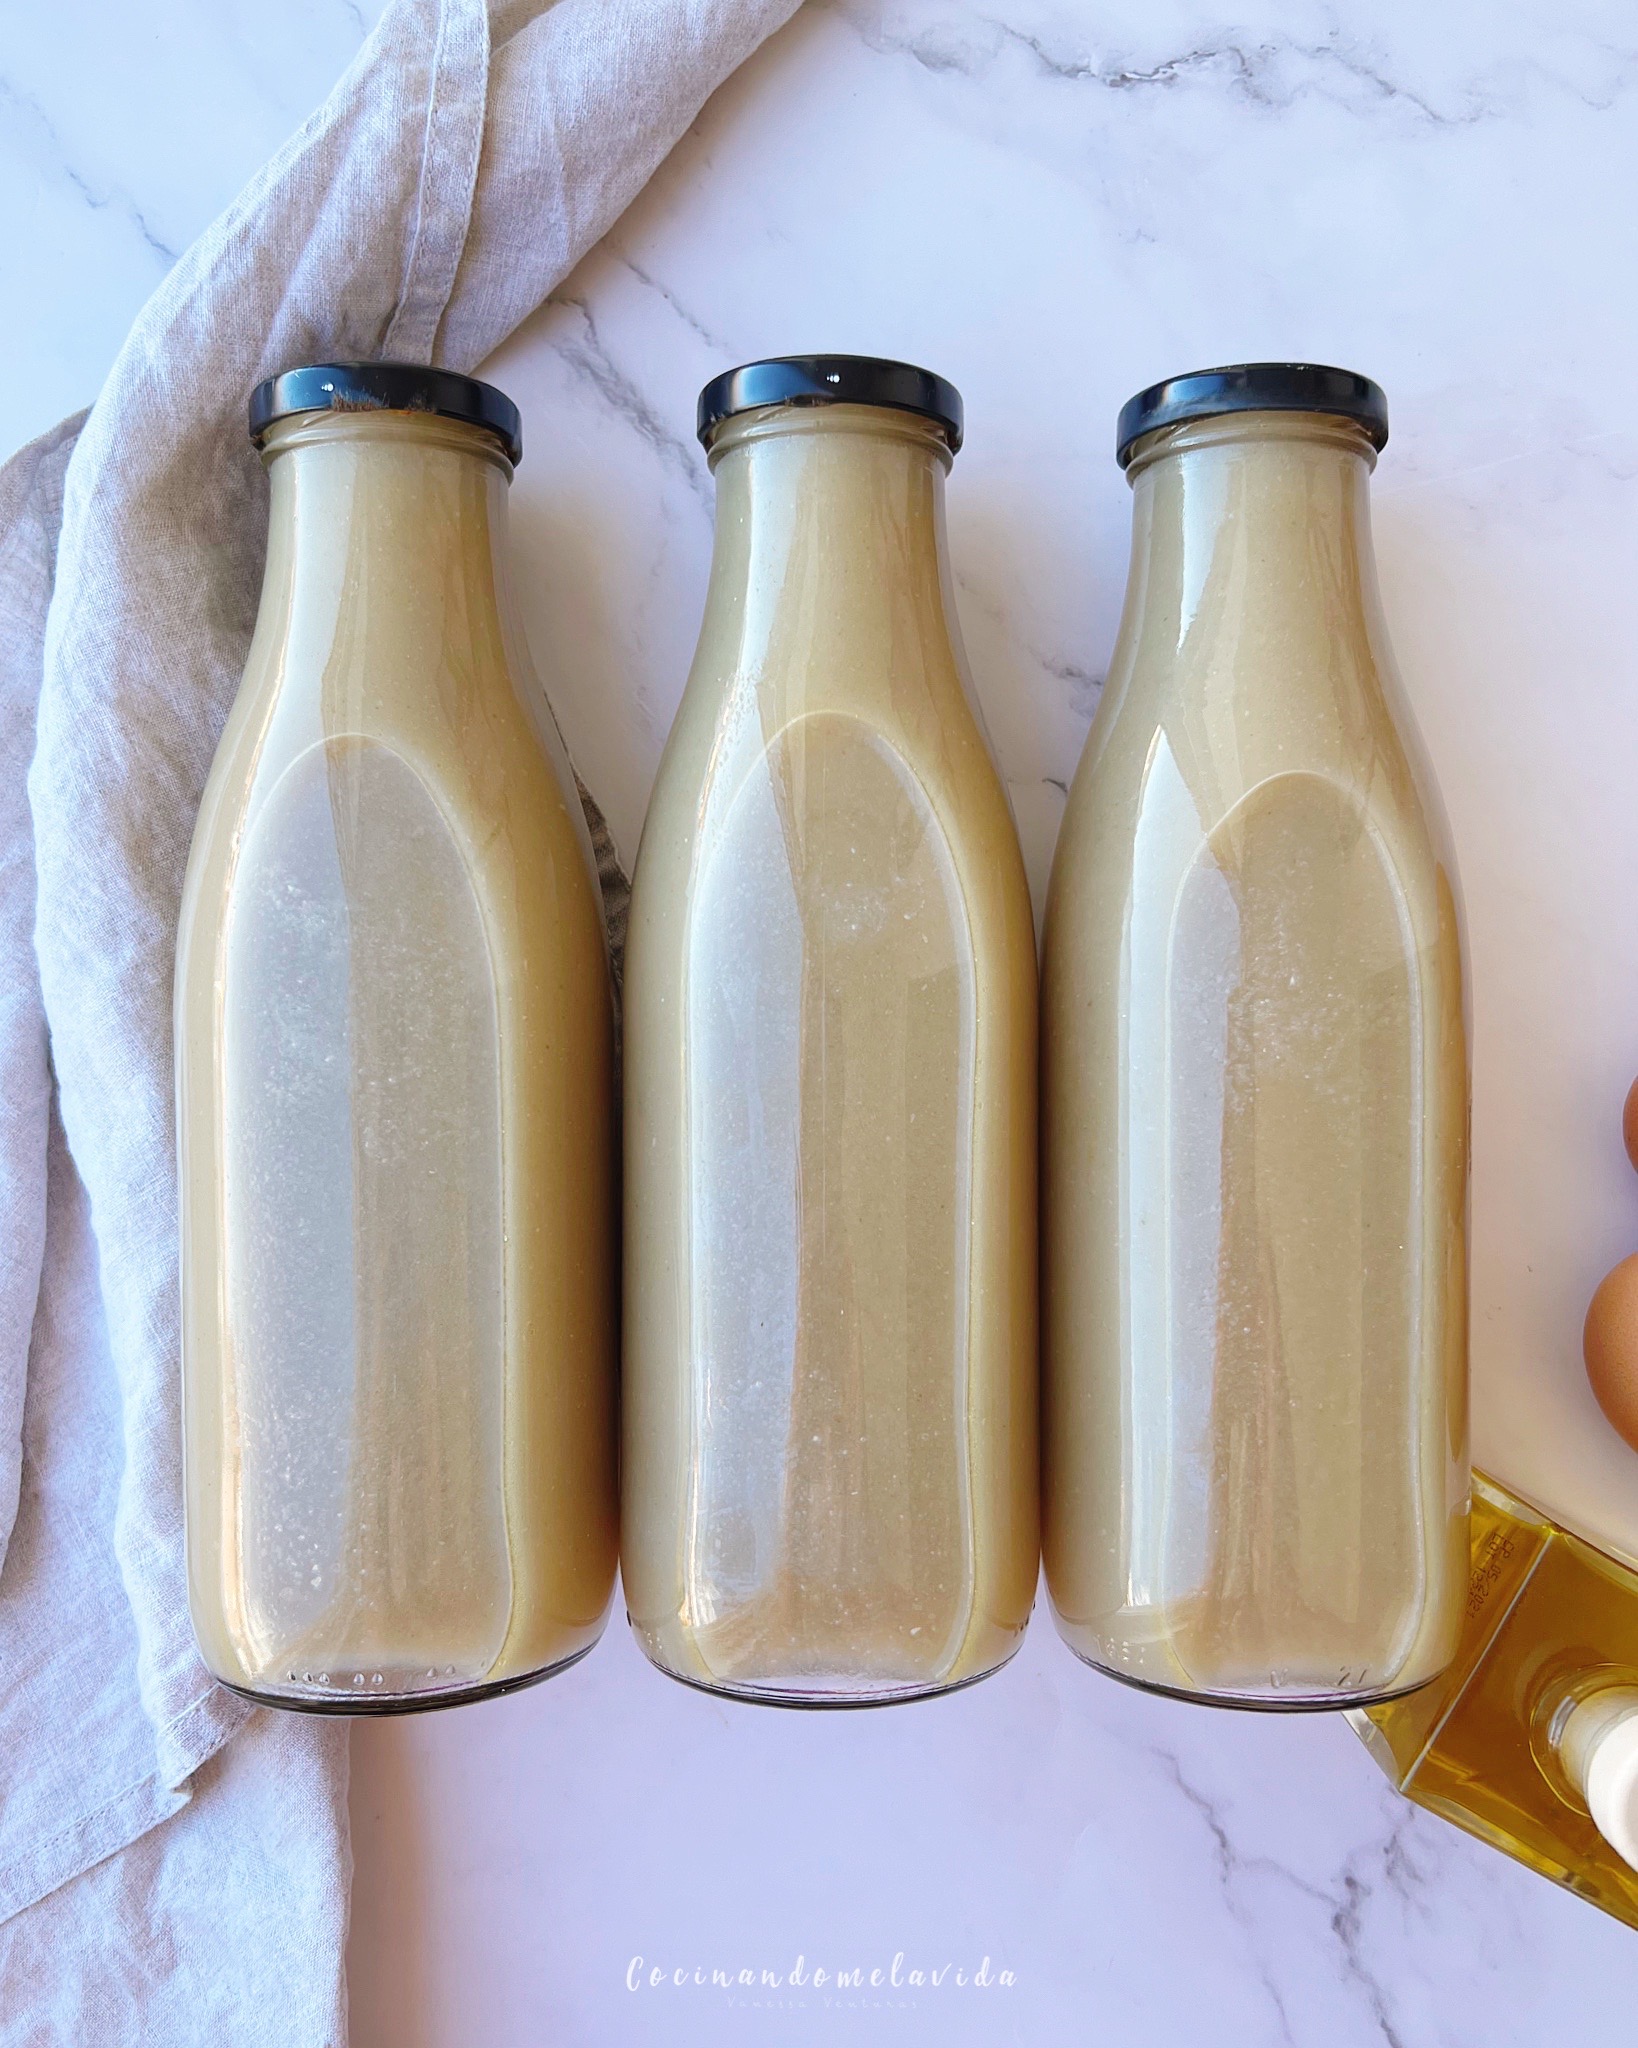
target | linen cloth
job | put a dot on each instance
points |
(156, 1886)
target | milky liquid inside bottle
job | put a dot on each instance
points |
(394, 1094)
(1255, 1091)
(829, 1480)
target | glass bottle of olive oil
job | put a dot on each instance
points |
(1530, 1739)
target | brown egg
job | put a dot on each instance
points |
(1629, 1123)
(1610, 1346)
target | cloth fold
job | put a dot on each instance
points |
(31, 508)
(426, 208)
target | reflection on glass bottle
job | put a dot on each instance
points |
(359, 1068)
(830, 1014)
(1530, 1739)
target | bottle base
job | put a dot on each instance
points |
(1256, 1703)
(353, 1707)
(817, 1699)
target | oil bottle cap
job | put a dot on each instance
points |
(1612, 1785)
(1599, 1747)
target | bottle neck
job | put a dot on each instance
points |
(830, 544)
(384, 517)
(1253, 524)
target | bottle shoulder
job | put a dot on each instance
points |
(751, 811)
(465, 722)
(735, 732)
(467, 758)
(1203, 749)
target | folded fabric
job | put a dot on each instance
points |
(31, 510)
(181, 1936)
(444, 188)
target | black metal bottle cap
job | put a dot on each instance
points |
(387, 387)
(1253, 387)
(830, 380)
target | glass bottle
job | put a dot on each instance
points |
(1255, 1091)
(393, 1043)
(829, 1490)
(1530, 1739)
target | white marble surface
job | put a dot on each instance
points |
(1052, 201)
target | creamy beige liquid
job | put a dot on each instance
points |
(830, 1368)
(394, 1097)
(1255, 1110)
